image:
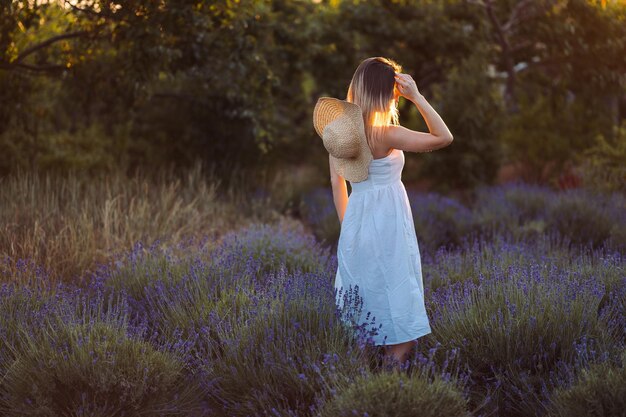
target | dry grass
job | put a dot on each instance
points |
(69, 224)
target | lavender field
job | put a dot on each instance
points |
(170, 209)
(525, 287)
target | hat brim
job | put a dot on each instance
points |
(326, 110)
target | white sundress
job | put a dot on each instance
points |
(378, 252)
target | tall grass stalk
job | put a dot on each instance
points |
(69, 224)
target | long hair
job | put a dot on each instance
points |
(372, 88)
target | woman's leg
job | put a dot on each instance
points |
(399, 352)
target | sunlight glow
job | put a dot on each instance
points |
(379, 119)
(604, 3)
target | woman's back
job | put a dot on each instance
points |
(382, 171)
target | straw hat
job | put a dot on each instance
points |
(340, 125)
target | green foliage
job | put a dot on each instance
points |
(397, 394)
(559, 83)
(87, 150)
(102, 85)
(143, 270)
(599, 392)
(525, 312)
(20, 310)
(548, 132)
(469, 104)
(603, 167)
(76, 367)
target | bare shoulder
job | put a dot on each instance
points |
(400, 137)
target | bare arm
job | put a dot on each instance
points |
(340, 191)
(399, 137)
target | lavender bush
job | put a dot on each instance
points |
(141, 270)
(517, 211)
(290, 355)
(21, 309)
(88, 360)
(439, 221)
(581, 216)
(285, 243)
(397, 394)
(526, 305)
(513, 208)
(317, 209)
(589, 217)
(525, 316)
(600, 391)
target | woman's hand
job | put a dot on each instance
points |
(406, 87)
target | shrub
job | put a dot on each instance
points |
(482, 258)
(21, 309)
(88, 362)
(511, 205)
(180, 299)
(318, 210)
(472, 108)
(486, 256)
(600, 391)
(288, 355)
(579, 216)
(547, 132)
(586, 217)
(139, 270)
(439, 221)
(516, 209)
(286, 244)
(602, 165)
(396, 394)
(613, 311)
(517, 322)
(186, 316)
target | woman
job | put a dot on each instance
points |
(377, 249)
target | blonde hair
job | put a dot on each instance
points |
(372, 88)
